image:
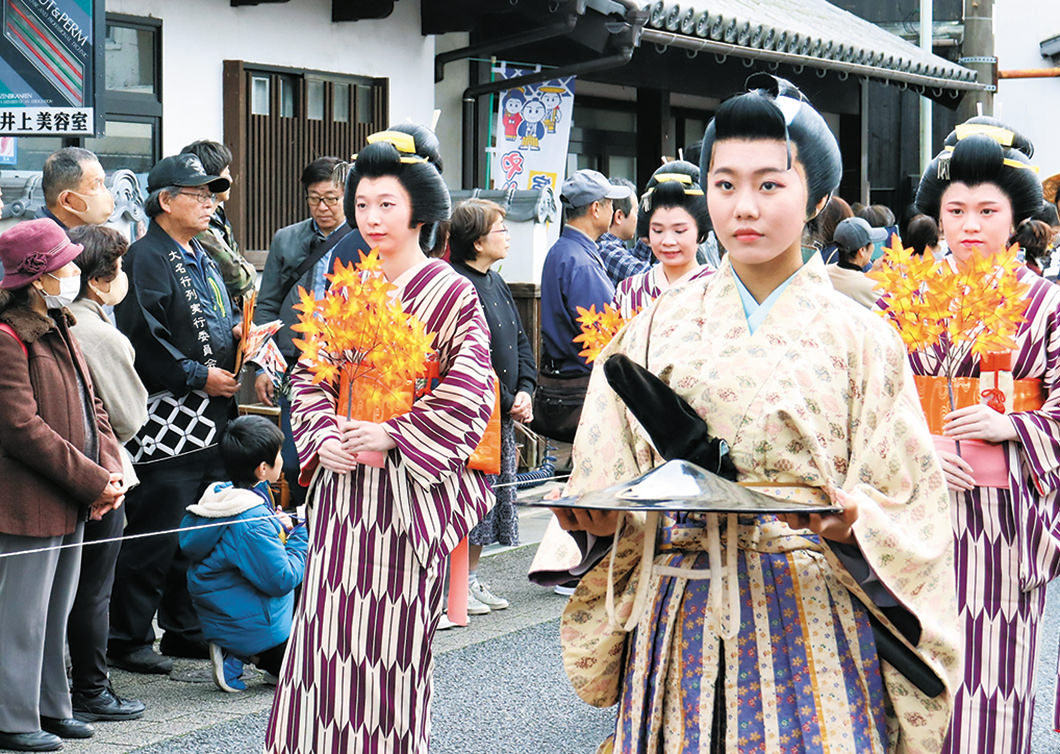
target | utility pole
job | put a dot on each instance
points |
(927, 39)
(978, 54)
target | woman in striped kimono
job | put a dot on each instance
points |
(676, 221)
(1007, 548)
(751, 633)
(358, 672)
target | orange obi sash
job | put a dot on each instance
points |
(1027, 395)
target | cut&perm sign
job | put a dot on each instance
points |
(533, 132)
(50, 67)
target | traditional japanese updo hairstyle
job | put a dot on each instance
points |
(675, 184)
(409, 153)
(983, 150)
(773, 108)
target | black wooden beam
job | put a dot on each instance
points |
(358, 10)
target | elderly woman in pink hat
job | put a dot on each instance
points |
(60, 465)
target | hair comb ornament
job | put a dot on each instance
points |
(404, 143)
(944, 164)
(342, 170)
(947, 153)
(690, 188)
(1003, 136)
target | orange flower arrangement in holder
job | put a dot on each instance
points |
(598, 328)
(947, 313)
(977, 309)
(359, 334)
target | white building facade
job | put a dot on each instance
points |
(1030, 105)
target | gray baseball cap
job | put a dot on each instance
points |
(588, 186)
(855, 232)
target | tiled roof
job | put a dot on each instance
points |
(811, 33)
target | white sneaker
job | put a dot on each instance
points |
(479, 593)
(474, 606)
(444, 624)
(227, 670)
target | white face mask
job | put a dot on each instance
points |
(119, 286)
(68, 290)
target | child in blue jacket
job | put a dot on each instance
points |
(243, 574)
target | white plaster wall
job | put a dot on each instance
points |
(448, 98)
(197, 35)
(1030, 105)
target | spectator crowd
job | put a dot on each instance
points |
(139, 493)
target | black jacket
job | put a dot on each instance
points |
(279, 290)
(157, 318)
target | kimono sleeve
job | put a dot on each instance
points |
(607, 449)
(436, 438)
(903, 527)
(1039, 431)
(313, 418)
(603, 452)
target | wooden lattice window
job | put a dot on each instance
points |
(276, 121)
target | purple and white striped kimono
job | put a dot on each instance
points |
(1008, 548)
(358, 672)
(637, 291)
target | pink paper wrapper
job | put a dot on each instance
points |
(987, 459)
(375, 458)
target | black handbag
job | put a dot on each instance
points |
(558, 405)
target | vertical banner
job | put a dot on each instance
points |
(533, 132)
(50, 64)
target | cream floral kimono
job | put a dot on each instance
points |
(762, 648)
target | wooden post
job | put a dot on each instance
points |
(653, 137)
(235, 137)
(978, 54)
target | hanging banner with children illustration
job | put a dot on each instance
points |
(533, 131)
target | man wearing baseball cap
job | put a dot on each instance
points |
(573, 276)
(181, 321)
(855, 239)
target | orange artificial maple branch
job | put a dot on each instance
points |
(358, 328)
(598, 329)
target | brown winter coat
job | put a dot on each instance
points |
(47, 481)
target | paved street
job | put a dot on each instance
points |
(499, 687)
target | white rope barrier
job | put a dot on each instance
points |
(192, 528)
(135, 536)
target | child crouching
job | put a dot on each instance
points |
(243, 574)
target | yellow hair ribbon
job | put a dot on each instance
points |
(683, 178)
(1018, 164)
(679, 177)
(1002, 136)
(401, 141)
(1008, 161)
